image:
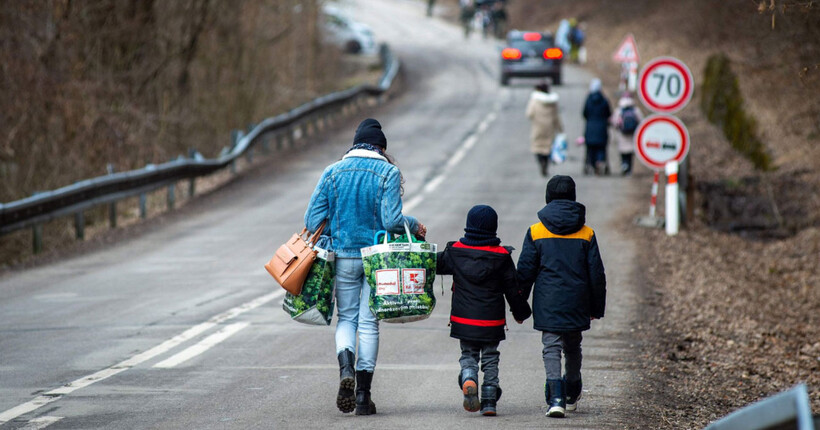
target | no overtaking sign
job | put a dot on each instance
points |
(660, 139)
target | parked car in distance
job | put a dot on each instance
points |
(531, 54)
(343, 31)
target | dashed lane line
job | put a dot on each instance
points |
(204, 345)
(466, 145)
(85, 381)
(40, 423)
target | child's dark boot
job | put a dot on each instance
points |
(554, 394)
(574, 389)
(489, 397)
(468, 381)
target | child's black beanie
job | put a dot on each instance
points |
(560, 187)
(482, 223)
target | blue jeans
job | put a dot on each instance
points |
(353, 306)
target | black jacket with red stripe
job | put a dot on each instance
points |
(482, 277)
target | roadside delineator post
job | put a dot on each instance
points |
(654, 201)
(672, 202)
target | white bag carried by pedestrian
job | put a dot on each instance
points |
(559, 149)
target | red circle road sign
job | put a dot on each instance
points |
(665, 85)
(659, 139)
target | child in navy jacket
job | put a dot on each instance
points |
(560, 254)
(483, 275)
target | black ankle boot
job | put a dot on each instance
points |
(364, 405)
(556, 402)
(489, 398)
(346, 399)
(468, 382)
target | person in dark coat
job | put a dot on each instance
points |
(560, 255)
(596, 136)
(483, 275)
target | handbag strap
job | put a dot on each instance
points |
(316, 235)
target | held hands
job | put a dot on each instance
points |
(422, 232)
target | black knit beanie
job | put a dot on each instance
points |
(370, 131)
(482, 222)
(560, 187)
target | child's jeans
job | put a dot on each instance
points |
(570, 343)
(484, 352)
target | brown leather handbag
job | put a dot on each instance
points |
(291, 263)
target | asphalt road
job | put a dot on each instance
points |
(181, 327)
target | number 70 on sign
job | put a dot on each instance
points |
(665, 85)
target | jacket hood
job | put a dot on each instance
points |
(545, 98)
(563, 216)
(476, 265)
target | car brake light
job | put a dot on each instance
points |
(532, 37)
(511, 54)
(553, 54)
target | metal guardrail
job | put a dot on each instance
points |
(73, 199)
(787, 410)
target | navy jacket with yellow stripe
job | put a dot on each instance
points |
(561, 257)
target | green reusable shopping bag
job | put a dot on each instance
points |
(315, 304)
(401, 274)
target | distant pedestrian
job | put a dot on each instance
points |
(596, 135)
(625, 119)
(467, 13)
(483, 275)
(358, 196)
(542, 111)
(562, 36)
(577, 37)
(560, 256)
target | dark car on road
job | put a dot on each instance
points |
(531, 54)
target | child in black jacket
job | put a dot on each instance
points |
(483, 274)
(560, 255)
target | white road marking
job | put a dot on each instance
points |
(459, 155)
(27, 407)
(202, 346)
(41, 423)
(85, 381)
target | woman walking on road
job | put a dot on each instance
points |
(358, 196)
(626, 119)
(542, 111)
(596, 113)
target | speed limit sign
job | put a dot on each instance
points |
(665, 85)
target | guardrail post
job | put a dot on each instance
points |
(79, 225)
(235, 136)
(266, 143)
(171, 196)
(112, 207)
(112, 214)
(37, 238)
(143, 206)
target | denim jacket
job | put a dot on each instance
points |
(358, 196)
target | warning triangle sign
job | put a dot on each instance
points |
(627, 52)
